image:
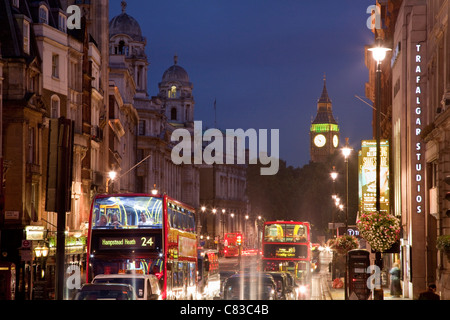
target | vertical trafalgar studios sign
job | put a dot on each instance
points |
(417, 114)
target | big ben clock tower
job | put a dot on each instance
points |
(324, 132)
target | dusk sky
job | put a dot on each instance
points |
(263, 61)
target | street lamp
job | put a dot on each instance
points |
(346, 150)
(111, 176)
(154, 191)
(41, 253)
(379, 53)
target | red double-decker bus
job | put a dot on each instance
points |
(286, 247)
(231, 245)
(143, 233)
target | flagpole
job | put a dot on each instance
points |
(215, 114)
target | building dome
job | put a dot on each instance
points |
(125, 24)
(175, 73)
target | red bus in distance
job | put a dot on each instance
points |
(230, 244)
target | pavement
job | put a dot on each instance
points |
(338, 294)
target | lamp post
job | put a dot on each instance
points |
(245, 227)
(346, 150)
(334, 175)
(258, 241)
(379, 53)
(223, 224)
(203, 220)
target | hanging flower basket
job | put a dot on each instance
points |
(380, 230)
(443, 244)
(344, 244)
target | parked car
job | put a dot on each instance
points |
(105, 291)
(145, 285)
(250, 286)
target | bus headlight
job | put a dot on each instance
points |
(303, 289)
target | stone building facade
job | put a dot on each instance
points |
(415, 105)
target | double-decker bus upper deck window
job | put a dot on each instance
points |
(180, 218)
(127, 212)
(279, 232)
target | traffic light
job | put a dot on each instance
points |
(239, 240)
(447, 194)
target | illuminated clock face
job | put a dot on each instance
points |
(320, 140)
(335, 141)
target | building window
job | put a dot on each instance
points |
(31, 145)
(54, 112)
(55, 66)
(26, 37)
(43, 15)
(138, 76)
(173, 114)
(62, 22)
(172, 92)
(123, 49)
(15, 3)
(142, 127)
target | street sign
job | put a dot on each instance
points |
(336, 225)
(26, 244)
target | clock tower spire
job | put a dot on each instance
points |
(324, 131)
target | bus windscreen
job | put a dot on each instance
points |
(127, 212)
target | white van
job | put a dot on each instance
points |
(145, 285)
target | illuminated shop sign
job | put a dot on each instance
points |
(417, 156)
(367, 173)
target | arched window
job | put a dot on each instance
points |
(173, 114)
(173, 92)
(123, 49)
(43, 14)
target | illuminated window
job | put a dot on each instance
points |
(173, 92)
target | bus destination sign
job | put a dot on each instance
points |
(131, 242)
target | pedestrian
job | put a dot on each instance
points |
(115, 221)
(396, 289)
(102, 221)
(430, 294)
